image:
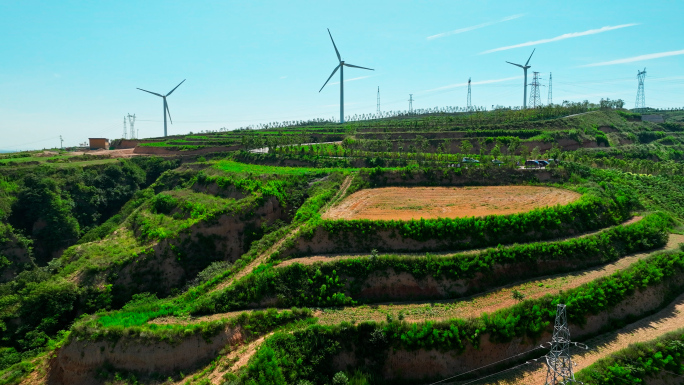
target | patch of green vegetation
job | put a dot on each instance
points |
(339, 283)
(639, 362)
(307, 354)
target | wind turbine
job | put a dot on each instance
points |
(166, 106)
(341, 68)
(525, 67)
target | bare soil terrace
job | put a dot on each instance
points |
(405, 203)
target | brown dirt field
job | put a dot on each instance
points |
(404, 203)
(669, 319)
(489, 302)
(121, 153)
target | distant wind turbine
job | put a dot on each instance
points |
(341, 68)
(166, 106)
(525, 67)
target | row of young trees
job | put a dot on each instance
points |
(421, 149)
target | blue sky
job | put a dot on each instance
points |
(71, 68)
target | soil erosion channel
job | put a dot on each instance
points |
(404, 203)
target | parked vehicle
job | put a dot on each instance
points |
(470, 160)
(542, 162)
(532, 164)
(497, 162)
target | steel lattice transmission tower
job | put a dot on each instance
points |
(378, 110)
(558, 360)
(470, 105)
(536, 99)
(549, 100)
(410, 103)
(125, 131)
(131, 125)
(641, 96)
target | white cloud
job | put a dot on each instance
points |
(352, 79)
(561, 37)
(467, 29)
(450, 86)
(636, 58)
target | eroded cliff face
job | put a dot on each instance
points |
(173, 262)
(424, 364)
(78, 361)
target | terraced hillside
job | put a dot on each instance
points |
(382, 257)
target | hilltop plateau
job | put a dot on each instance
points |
(398, 250)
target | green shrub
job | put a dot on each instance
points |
(339, 283)
(639, 362)
(308, 353)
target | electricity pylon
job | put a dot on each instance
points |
(410, 103)
(125, 132)
(378, 110)
(131, 124)
(470, 105)
(558, 360)
(641, 96)
(549, 100)
(536, 99)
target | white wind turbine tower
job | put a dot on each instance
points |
(525, 67)
(341, 68)
(166, 106)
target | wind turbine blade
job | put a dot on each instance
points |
(331, 75)
(528, 60)
(170, 92)
(166, 107)
(363, 68)
(515, 64)
(153, 93)
(336, 51)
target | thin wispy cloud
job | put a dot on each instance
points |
(352, 79)
(650, 56)
(562, 37)
(467, 29)
(457, 85)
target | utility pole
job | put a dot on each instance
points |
(536, 99)
(378, 110)
(61, 141)
(131, 124)
(125, 132)
(558, 360)
(641, 96)
(549, 100)
(410, 103)
(470, 105)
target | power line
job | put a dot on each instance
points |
(488, 365)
